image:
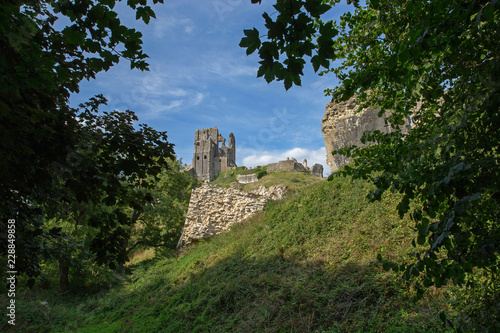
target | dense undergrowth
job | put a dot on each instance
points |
(301, 265)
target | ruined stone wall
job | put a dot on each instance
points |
(288, 165)
(342, 126)
(317, 170)
(247, 179)
(291, 164)
(213, 209)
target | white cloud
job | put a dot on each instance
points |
(253, 158)
(227, 66)
(167, 24)
(159, 107)
(152, 94)
(197, 99)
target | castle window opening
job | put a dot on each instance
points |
(205, 156)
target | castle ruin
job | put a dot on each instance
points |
(343, 126)
(211, 155)
(291, 164)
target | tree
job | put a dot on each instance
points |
(115, 167)
(160, 223)
(108, 232)
(42, 134)
(441, 58)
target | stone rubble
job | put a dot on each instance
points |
(213, 209)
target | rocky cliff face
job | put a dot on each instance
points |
(342, 126)
(213, 209)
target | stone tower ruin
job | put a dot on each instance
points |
(211, 155)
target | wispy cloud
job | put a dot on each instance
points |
(229, 66)
(158, 108)
(199, 77)
(161, 28)
(151, 95)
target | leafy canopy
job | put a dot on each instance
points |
(52, 153)
(437, 62)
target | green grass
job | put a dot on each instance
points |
(224, 179)
(293, 180)
(301, 265)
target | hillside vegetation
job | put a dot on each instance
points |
(301, 265)
(293, 180)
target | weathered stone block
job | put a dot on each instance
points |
(247, 179)
(317, 170)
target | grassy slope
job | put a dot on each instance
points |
(302, 265)
(293, 180)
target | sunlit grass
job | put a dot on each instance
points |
(304, 264)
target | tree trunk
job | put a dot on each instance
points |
(135, 216)
(64, 275)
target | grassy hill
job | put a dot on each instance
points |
(293, 180)
(301, 265)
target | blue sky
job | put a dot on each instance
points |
(199, 78)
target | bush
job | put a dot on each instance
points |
(261, 172)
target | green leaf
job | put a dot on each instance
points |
(421, 240)
(316, 7)
(316, 62)
(404, 56)
(251, 41)
(74, 36)
(146, 13)
(375, 4)
(109, 3)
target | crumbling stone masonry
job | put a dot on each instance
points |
(317, 170)
(291, 164)
(342, 127)
(209, 157)
(213, 209)
(247, 179)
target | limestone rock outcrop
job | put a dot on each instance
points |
(213, 209)
(342, 126)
